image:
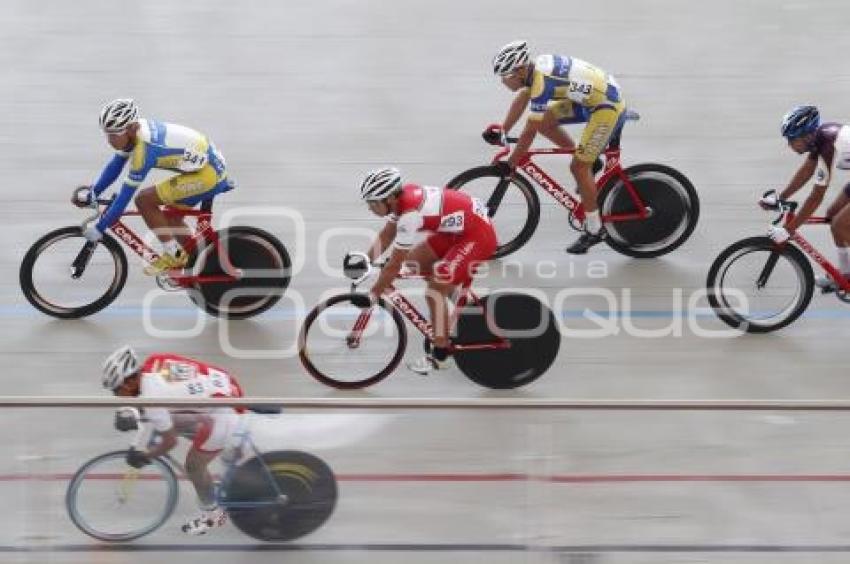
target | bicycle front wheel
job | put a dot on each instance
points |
(756, 286)
(111, 501)
(46, 281)
(346, 346)
(518, 208)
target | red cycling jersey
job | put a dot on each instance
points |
(462, 234)
(438, 210)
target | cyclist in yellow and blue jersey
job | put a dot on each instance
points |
(560, 90)
(148, 144)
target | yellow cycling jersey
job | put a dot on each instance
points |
(171, 147)
(558, 80)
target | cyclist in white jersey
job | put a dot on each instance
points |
(827, 150)
(169, 376)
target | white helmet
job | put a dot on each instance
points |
(118, 114)
(120, 364)
(510, 57)
(380, 183)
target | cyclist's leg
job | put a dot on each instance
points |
(422, 258)
(211, 436)
(839, 212)
(594, 139)
(458, 265)
(836, 208)
(180, 190)
(148, 203)
(557, 115)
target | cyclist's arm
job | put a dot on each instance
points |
(809, 206)
(803, 174)
(160, 420)
(390, 270)
(383, 240)
(116, 208)
(111, 172)
(516, 109)
(406, 227)
(167, 441)
(138, 171)
(526, 138)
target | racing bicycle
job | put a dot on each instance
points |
(236, 273)
(648, 209)
(271, 496)
(758, 286)
(503, 340)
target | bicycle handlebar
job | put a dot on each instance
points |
(784, 207)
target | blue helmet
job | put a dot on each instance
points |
(800, 121)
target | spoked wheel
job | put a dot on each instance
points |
(266, 269)
(514, 209)
(673, 205)
(304, 499)
(756, 286)
(111, 501)
(348, 346)
(525, 322)
(46, 280)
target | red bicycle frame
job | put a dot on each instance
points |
(408, 310)
(550, 186)
(814, 253)
(203, 232)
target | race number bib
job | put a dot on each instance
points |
(578, 91)
(452, 223)
(179, 371)
(193, 159)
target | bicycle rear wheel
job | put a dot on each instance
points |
(673, 204)
(111, 501)
(529, 326)
(330, 351)
(307, 488)
(45, 274)
(266, 267)
(756, 286)
(518, 210)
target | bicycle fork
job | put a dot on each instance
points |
(83, 258)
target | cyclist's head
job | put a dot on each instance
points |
(120, 365)
(119, 120)
(510, 58)
(118, 115)
(380, 184)
(800, 121)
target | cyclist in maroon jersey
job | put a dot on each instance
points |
(827, 147)
(460, 237)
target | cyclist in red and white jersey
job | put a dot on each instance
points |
(827, 148)
(460, 236)
(169, 376)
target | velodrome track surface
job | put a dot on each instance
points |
(303, 99)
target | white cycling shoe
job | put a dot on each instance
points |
(207, 520)
(427, 364)
(826, 284)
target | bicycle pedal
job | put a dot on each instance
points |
(165, 283)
